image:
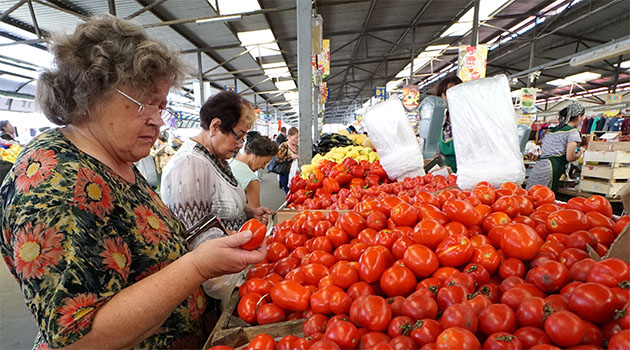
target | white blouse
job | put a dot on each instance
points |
(193, 185)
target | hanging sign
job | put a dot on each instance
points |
(528, 100)
(414, 120)
(229, 88)
(380, 93)
(613, 99)
(472, 62)
(322, 63)
(323, 91)
(411, 97)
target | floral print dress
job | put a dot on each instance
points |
(74, 234)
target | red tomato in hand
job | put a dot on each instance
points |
(258, 231)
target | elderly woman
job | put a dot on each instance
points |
(559, 148)
(198, 179)
(100, 259)
(258, 152)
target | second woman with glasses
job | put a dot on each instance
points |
(198, 180)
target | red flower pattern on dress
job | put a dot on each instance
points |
(35, 249)
(150, 225)
(76, 313)
(33, 168)
(159, 203)
(43, 346)
(117, 256)
(151, 270)
(92, 194)
(196, 304)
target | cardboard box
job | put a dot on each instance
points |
(618, 248)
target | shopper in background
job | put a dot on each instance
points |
(8, 132)
(447, 149)
(99, 258)
(258, 152)
(560, 146)
(198, 179)
(282, 136)
(287, 153)
(162, 153)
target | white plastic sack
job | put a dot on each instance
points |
(394, 140)
(219, 287)
(484, 133)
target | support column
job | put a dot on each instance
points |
(474, 40)
(202, 95)
(304, 39)
(315, 114)
(112, 7)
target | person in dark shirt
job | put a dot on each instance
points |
(282, 137)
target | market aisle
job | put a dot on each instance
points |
(271, 196)
(17, 327)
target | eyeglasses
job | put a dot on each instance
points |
(145, 109)
(236, 137)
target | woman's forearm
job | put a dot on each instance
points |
(137, 311)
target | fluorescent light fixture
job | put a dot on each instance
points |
(464, 24)
(278, 72)
(229, 7)
(290, 96)
(286, 85)
(625, 65)
(218, 19)
(576, 78)
(259, 42)
(602, 52)
(274, 65)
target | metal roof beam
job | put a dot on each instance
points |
(63, 8)
(34, 19)
(145, 9)
(11, 9)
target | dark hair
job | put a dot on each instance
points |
(163, 138)
(352, 129)
(3, 124)
(261, 146)
(283, 129)
(293, 131)
(444, 83)
(228, 107)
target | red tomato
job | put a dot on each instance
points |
(400, 246)
(255, 285)
(337, 236)
(419, 306)
(566, 221)
(479, 273)
(396, 304)
(592, 335)
(376, 220)
(461, 211)
(454, 251)
(461, 279)
(520, 241)
(508, 205)
(315, 324)
(502, 341)
(359, 289)
(497, 318)
(371, 340)
(400, 325)
(343, 274)
(609, 272)
(403, 214)
(593, 302)
(599, 204)
(386, 238)
(403, 342)
(269, 313)
(343, 333)
(479, 302)
(320, 299)
(374, 313)
(620, 341)
(373, 262)
(456, 228)
(222, 347)
(324, 345)
(262, 342)
(579, 271)
(531, 336)
(551, 276)
(398, 280)
(290, 296)
(511, 267)
(486, 256)
(531, 312)
(426, 331)
(457, 338)
(459, 315)
(542, 194)
(571, 255)
(340, 302)
(497, 218)
(450, 295)
(485, 194)
(258, 231)
(286, 343)
(564, 328)
(429, 233)
(577, 203)
(353, 223)
(621, 224)
(276, 251)
(247, 307)
(421, 260)
(579, 240)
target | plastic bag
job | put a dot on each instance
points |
(484, 133)
(294, 170)
(219, 287)
(397, 147)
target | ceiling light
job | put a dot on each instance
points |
(278, 72)
(259, 42)
(229, 7)
(602, 52)
(625, 65)
(218, 18)
(286, 85)
(274, 65)
(576, 78)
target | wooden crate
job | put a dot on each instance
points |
(232, 331)
(608, 146)
(608, 188)
(606, 172)
(613, 157)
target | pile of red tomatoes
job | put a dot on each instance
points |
(488, 268)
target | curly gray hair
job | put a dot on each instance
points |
(103, 52)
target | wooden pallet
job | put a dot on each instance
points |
(232, 331)
(606, 172)
(608, 188)
(615, 158)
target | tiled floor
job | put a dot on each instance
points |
(17, 327)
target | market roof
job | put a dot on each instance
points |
(253, 44)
